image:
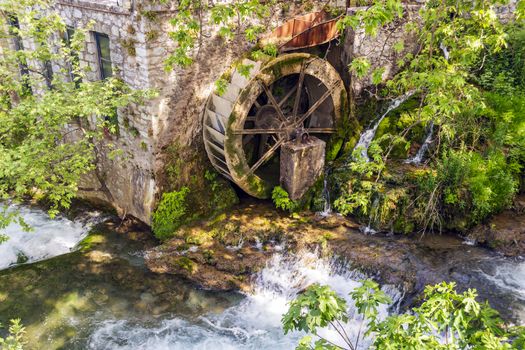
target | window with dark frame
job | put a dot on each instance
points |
(68, 37)
(104, 55)
(14, 27)
(106, 71)
(48, 74)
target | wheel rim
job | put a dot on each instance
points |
(265, 115)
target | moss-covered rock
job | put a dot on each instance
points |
(192, 192)
(505, 232)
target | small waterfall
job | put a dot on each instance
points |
(327, 209)
(420, 155)
(369, 230)
(510, 277)
(443, 48)
(368, 135)
(51, 237)
(255, 322)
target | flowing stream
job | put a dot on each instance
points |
(254, 323)
(103, 297)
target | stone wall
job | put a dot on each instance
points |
(126, 181)
(379, 49)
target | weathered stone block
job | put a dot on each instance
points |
(301, 165)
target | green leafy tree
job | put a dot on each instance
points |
(195, 17)
(446, 319)
(54, 123)
(468, 62)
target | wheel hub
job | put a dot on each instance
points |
(267, 117)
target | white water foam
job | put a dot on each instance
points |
(367, 230)
(443, 48)
(254, 323)
(368, 135)
(48, 238)
(510, 277)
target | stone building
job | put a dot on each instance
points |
(129, 38)
(121, 42)
(161, 141)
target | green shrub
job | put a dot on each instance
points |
(170, 213)
(464, 322)
(282, 200)
(465, 188)
(503, 71)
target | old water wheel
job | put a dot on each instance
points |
(289, 95)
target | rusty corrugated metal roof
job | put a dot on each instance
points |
(305, 31)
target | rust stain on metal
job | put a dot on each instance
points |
(305, 31)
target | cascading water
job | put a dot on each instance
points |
(507, 276)
(48, 237)
(254, 323)
(443, 48)
(105, 298)
(368, 135)
(511, 277)
(420, 155)
(369, 230)
(327, 208)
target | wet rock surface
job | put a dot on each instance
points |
(504, 232)
(239, 244)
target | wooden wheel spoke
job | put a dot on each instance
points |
(257, 131)
(298, 92)
(274, 102)
(266, 156)
(320, 130)
(288, 95)
(315, 105)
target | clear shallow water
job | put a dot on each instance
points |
(104, 298)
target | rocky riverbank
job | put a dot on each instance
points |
(505, 232)
(223, 253)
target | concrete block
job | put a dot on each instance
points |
(302, 163)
